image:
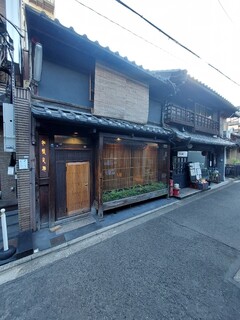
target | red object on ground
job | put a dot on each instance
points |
(176, 192)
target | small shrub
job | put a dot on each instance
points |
(132, 191)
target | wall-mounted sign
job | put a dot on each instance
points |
(44, 156)
(11, 171)
(182, 154)
(23, 164)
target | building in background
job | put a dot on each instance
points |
(233, 133)
(47, 6)
(233, 126)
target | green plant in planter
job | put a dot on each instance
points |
(132, 191)
(235, 161)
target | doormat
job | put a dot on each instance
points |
(57, 240)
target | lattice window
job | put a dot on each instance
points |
(127, 165)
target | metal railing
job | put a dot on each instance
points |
(232, 170)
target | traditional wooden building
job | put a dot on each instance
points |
(196, 115)
(95, 131)
(95, 138)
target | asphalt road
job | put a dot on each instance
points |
(176, 266)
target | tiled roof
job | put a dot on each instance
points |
(97, 47)
(58, 113)
(202, 139)
(50, 112)
(176, 72)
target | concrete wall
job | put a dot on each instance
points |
(119, 97)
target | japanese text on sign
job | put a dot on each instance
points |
(44, 156)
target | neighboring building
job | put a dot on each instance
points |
(233, 154)
(47, 6)
(233, 126)
(232, 132)
(196, 114)
(10, 75)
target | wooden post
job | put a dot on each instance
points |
(99, 176)
(32, 161)
(52, 182)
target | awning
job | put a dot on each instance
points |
(77, 117)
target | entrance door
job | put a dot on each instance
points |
(77, 187)
(180, 171)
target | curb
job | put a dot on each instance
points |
(23, 266)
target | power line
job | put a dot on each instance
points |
(128, 30)
(175, 41)
(160, 30)
(230, 19)
(14, 26)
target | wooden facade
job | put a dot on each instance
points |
(75, 173)
(186, 117)
(131, 167)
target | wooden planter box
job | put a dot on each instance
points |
(134, 199)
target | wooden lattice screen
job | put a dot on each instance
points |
(129, 164)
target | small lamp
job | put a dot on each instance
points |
(37, 62)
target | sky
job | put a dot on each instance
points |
(209, 28)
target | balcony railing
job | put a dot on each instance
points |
(175, 114)
(178, 115)
(206, 125)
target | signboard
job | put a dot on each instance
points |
(8, 128)
(44, 156)
(182, 154)
(195, 171)
(23, 164)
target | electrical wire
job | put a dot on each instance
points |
(176, 41)
(131, 32)
(14, 26)
(228, 16)
(126, 29)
